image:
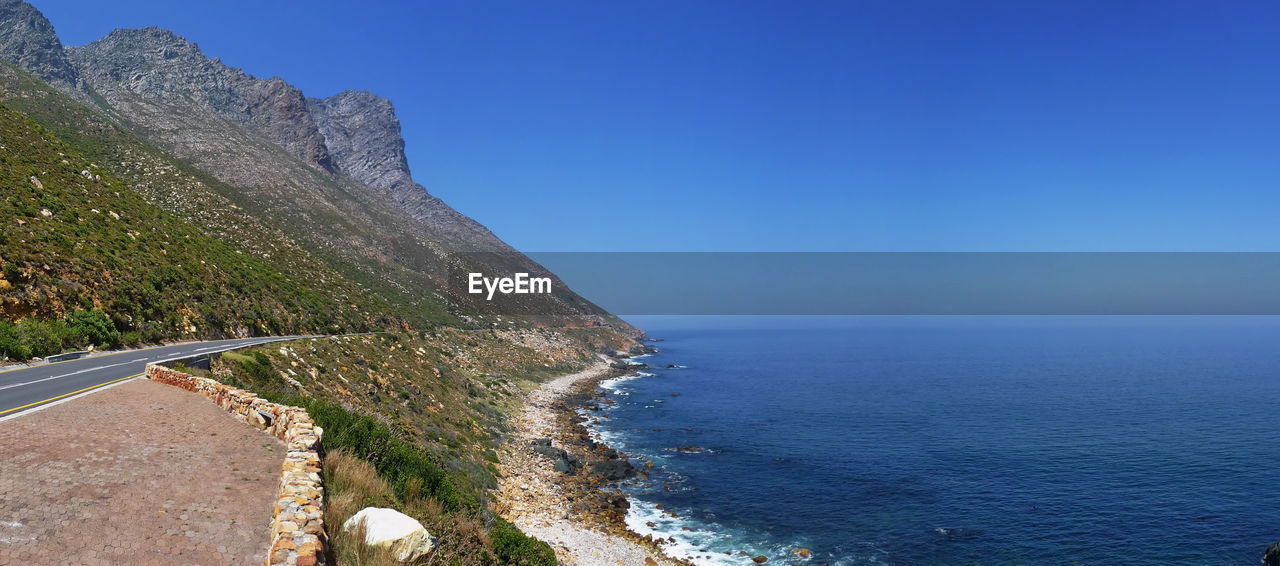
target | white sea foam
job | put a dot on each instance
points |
(709, 544)
(614, 384)
(689, 544)
(698, 538)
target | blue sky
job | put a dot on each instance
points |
(798, 126)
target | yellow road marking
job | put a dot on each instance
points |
(69, 394)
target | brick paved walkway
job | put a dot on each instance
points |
(142, 473)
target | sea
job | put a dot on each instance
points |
(956, 440)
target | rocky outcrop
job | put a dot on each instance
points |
(162, 67)
(613, 470)
(297, 529)
(362, 133)
(562, 461)
(28, 41)
(403, 535)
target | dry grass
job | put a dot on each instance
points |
(459, 539)
(351, 484)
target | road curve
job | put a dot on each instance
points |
(25, 388)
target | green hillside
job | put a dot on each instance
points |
(74, 238)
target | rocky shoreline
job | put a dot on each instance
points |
(555, 479)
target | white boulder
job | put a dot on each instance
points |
(403, 535)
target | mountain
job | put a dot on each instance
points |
(28, 41)
(148, 74)
(311, 185)
(153, 193)
(74, 237)
(363, 134)
(208, 112)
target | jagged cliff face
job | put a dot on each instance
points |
(27, 40)
(158, 69)
(363, 135)
(329, 173)
(318, 154)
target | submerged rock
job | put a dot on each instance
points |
(407, 539)
(613, 470)
(1272, 556)
(958, 533)
(618, 502)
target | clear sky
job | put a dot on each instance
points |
(753, 125)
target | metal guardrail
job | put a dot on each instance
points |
(66, 356)
(198, 361)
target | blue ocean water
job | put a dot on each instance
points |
(960, 441)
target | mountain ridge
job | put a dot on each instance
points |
(329, 173)
(28, 40)
(158, 63)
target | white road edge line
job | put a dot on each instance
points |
(228, 347)
(51, 378)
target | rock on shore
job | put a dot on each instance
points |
(532, 490)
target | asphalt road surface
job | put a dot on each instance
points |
(25, 388)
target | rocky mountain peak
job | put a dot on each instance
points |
(159, 67)
(153, 43)
(27, 40)
(363, 135)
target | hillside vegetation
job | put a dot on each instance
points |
(424, 412)
(209, 206)
(75, 239)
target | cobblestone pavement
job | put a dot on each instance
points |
(141, 473)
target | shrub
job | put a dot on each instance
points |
(43, 337)
(92, 327)
(518, 549)
(12, 273)
(409, 471)
(11, 344)
(131, 339)
(258, 367)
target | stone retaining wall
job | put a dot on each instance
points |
(297, 527)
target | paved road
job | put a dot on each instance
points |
(26, 388)
(141, 474)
